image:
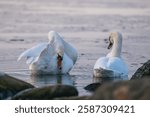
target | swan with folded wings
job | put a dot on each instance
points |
(112, 65)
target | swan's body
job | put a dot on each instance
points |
(112, 65)
(54, 57)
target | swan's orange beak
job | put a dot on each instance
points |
(110, 44)
(59, 62)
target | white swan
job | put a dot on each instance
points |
(112, 65)
(54, 57)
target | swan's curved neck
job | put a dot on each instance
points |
(116, 49)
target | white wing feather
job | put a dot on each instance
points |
(32, 53)
(70, 51)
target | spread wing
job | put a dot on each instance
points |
(32, 53)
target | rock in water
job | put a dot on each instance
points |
(126, 90)
(92, 87)
(9, 86)
(142, 72)
(47, 93)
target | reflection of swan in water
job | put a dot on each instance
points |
(43, 80)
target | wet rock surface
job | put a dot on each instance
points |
(9, 86)
(47, 93)
(121, 90)
(92, 87)
(124, 90)
(142, 72)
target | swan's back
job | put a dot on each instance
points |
(112, 65)
(117, 65)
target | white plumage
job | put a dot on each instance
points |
(112, 65)
(54, 57)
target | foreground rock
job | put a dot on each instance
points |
(93, 86)
(9, 86)
(47, 93)
(143, 71)
(87, 97)
(123, 90)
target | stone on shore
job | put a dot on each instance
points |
(86, 97)
(47, 93)
(10, 86)
(143, 71)
(92, 87)
(124, 90)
